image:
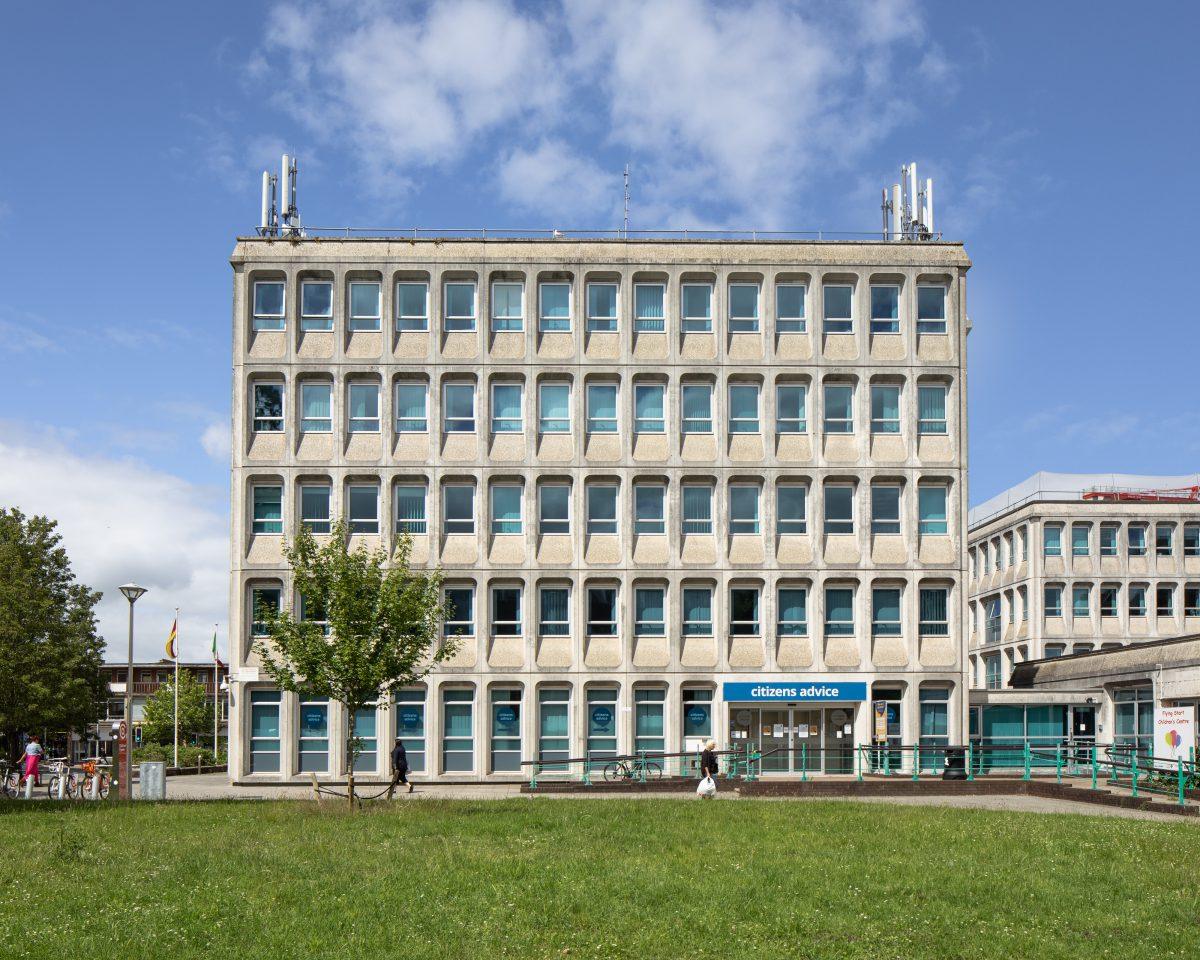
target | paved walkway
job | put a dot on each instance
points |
(215, 786)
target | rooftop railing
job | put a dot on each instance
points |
(508, 233)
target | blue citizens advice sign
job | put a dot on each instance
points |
(792, 691)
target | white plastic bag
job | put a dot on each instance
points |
(707, 788)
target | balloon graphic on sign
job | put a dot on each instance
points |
(1173, 739)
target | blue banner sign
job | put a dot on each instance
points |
(792, 692)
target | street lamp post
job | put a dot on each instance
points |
(132, 592)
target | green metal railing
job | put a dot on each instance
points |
(645, 766)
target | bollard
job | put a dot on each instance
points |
(29, 788)
(62, 786)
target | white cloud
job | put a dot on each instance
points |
(720, 107)
(121, 520)
(216, 440)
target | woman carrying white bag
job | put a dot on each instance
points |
(708, 769)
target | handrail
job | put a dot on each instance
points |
(601, 233)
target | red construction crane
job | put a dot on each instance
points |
(1171, 495)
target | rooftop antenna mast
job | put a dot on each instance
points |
(268, 221)
(908, 213)
(625, 225)
(278, 215)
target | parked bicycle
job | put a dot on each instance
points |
(629, 769)
(10, 778)
(91, 771)
(63, 777)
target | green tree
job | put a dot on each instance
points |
(195, 715)
(50, 654)
(383, 627)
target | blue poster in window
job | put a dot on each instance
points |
(697, 715)
(410, 718)
(602, 716)
(506, 715)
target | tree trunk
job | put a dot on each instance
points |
(351, 757)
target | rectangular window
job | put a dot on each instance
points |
(1137, 539)
(1191, 601)
(554, 314)
(554, 619)
(412, 306)
(365, 731)
(649, 612)
(885, 309)
(697, 612)
(649, 400)
(364, 408)
(316, 402)
(506, 611)
(839, 612)
(790, 316)
(602, 611)
(697, 508)
(992, 667)
(649, 314)
(264, 731)
(648, 727)
(885, 408)
(554, 402)
(1191, 539)
(1053, 601)
(506, 729)
(364, 508)
(458, 508)
(412, 412)
(268, 407)
(931, 309)
(1164, 601)
(268, 305)
(554, 508)
(697, 408)
(602, 721)
(314, 507)
(934, 616)
(649, 508)
(554, 726)
(839, 303)
(992, 627)
(885, 508)
(885, 612)
(506, 509)
(410, 510)
(935, 727)
(697, 307)
(931, 506)
(601, 307)
(1081, 601)
(743, 308)
(459, 408)
(743, 611)
(364, 306)
(1164, 534)
(839, 408)
(460, 612)
(316, 305)
(1108, 540)
(458, 307)
(1108, 601)
(791, 508)
(458, 723)
(268, 509)
(743, 509)
(1052, 540)
(743, 408)
(314, 736)
(508, 306)
(839, 509)
(931, 410)
(791, 402)
(1080, 539)
(264, 603)
(602, 408)
(793, 612)
(1137, 601)
(697, 712)
(601, 508)
(506, 408)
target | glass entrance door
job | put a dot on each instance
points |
(839, 739)
(775, 742)
(806, 741)
(1082, 733)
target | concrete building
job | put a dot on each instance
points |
(1066, 565)
(679, 489)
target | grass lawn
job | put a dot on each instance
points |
(592, 878)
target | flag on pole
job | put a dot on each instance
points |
(216, 656)
(172, 638)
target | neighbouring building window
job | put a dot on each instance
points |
(364, 507)
(506, 612)
(1108, 601)
(1164, 535)
(458, 508)
(460, 612)
(649, 611)
(554, 508)
(839, 509)
(793, 612)
(931, 309)
(697, 611)
(315, 512)
(885, 509)
(411, 516)
(790, 316)
(697, 307)
(743, 408)
(316, 407)
(1137, 601)
(934, 611)
(412, 411)
(412, 309)
(839, 612)
(697, 508)
(316, 305)
(508, 307)
(364, 306)
(743, 509)
(1052, 540)
(506, 408)
(885, 408)
(931, 510)
(743, 611)
(459, 413)
(602, 408)
(1108, 540)
(554, 315)
(601, 307)
(268, 305)
(601, 508)
(649, 508)
(1137, 539)
(649, 402)
(555, 408)
(1081, 601)
(885, 309)
(458, 305)
(743, 308)
(885, 612)
(506, 508)
(268, 508)
(697, 408)
(931, 410)
(649, 313)
(554, 612)
(364, 408)
(1164, 601)
(790, 508)
(839, 408)
(1080, 539)
(602, 611)
(839, 301)
(268, 407)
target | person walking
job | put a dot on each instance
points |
(708, 771)
(33, 760)
(399, 768)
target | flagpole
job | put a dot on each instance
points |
(176, 687)
(216, 700)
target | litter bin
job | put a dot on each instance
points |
(956, 764)
(153, 780)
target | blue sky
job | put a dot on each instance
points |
(1062, 139)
